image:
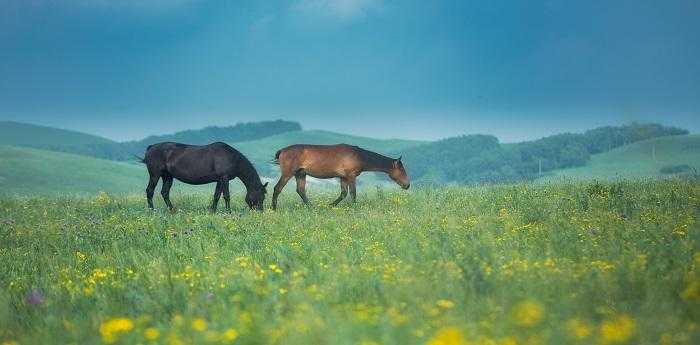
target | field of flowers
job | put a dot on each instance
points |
(583, 263)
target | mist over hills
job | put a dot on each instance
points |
(88, 163)
(55, 139)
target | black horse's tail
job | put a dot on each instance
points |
(142, 159)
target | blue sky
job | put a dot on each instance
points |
(407, 69)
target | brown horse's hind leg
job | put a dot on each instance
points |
(301, 187)
(165, 191)
(278, 189)
(217, 195)
(352, 182)
(343, 191)
(150, 189)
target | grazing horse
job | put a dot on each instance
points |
(329, 161)
(192, 164)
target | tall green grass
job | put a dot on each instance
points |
(586, 263)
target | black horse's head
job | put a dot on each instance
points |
(255, 197)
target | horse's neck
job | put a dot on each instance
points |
(249, 176)
(376, 162)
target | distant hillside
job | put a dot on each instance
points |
(27, 171)
(263, 150)
(641, 159)
(53, 139)
(49, 138)
(477, 159)
(231, 134)
(464, 160)
(33, 171)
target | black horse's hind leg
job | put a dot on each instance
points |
(301, 187)
(150, 189)
(165, 191)
(217, 195)
(343, 191)
(227, 196)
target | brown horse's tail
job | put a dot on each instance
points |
(277, 158)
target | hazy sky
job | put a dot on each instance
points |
(410, 69)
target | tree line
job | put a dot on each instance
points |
(475, 159)
(231, 134)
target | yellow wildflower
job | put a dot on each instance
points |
(151, 333)
(692, 291)
(229, 335)
(112, 328)
(443, 303)
(617, 330)
(447, 336)
(199, 325)
(528, 313)
(508, 341)
(102, 198)
(80, 256)
(578, 329)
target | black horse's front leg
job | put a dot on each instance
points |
(165, 191)
(217, 195)
(150, 189)
(227, 196)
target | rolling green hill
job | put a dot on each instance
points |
(33, 171)
(27, 171)
(54, 139)
(641, 159)
(50, 138)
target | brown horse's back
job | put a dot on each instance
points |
(315, 160)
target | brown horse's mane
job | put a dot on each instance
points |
(374, 160)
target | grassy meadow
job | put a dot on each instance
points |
(575, 263)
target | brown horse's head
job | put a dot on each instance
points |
(255, 197)
(398, 174)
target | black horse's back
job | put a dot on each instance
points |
(201, 164)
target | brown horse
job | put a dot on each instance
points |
(329, 161)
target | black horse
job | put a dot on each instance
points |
(192, 164)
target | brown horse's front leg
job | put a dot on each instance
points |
(278, 189)
(343, 191)
(301, 188)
